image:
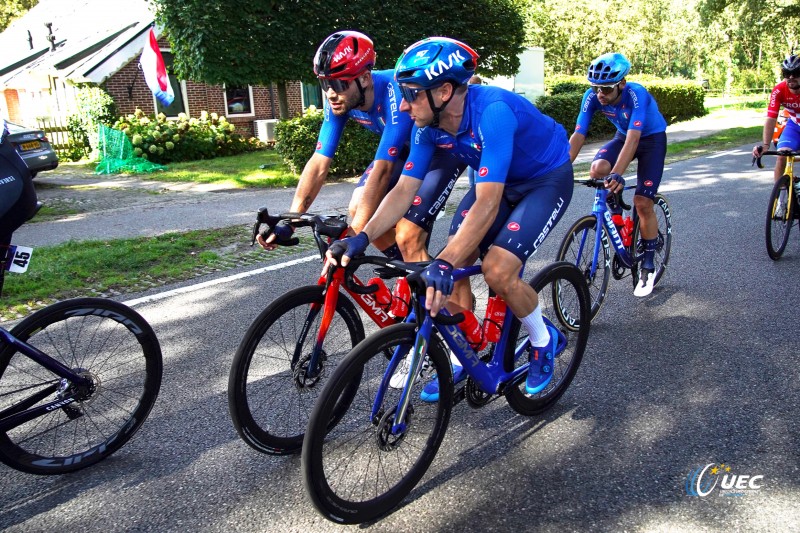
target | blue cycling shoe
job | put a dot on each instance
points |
(540, 371)
(430, 393)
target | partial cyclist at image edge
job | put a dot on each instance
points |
(353, 90)
(641, 135)
(522, 188)
(785, 94)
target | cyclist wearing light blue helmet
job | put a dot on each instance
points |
(522, 188)
(641, 134)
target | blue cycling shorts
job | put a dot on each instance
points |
(434, 191)
(790, 137)
(650, 154)
(528, 212)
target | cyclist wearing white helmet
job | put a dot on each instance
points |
(641, 135)
(786, 94)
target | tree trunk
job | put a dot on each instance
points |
(283, 100)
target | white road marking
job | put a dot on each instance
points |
(227, 279)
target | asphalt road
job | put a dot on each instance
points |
(702, 371)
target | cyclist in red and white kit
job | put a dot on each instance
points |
(786, 94)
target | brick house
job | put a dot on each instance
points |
(61, 44)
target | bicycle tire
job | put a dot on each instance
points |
(661, 258)
(337, 460)
(568, 251)
(268, 403)
(108, 341)
(778, 228)
(557, 282)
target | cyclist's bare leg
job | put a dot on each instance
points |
(462, 291)
(501, 271)
(600, 169)
(780, 166)
(384, 241)
(647, 216)
(411, 241)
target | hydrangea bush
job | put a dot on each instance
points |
(186, 139)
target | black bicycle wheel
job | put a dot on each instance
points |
(358, 470)
(577, 248)
(661, 258)
(269, 395)
(561, 288)
(100, 339)
(778, 225)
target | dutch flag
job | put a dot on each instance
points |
(155, 72)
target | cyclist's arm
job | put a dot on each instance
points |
(374, 191)
(575, 144)
(769, 129)
(476, 224)
(311, 181)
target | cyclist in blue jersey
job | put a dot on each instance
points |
(343, 63)
(522, 188)
(641, 134)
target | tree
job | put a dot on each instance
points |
(268, 41)
(13, 9)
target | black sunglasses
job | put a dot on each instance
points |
(338, 86)
(605, 89)
(787, 73)
(410, 93)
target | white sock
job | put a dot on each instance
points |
(537, 330)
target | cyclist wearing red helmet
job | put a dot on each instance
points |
(343, 63)
(786, 94)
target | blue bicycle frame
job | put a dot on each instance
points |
(489, 377)
(602, 214)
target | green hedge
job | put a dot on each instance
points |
(296, 139)
(186, 139)
(677, 100)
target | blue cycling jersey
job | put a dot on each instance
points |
(636, 110)
(384, 118)
(502, 136)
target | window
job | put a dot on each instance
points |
(312, 95)
(239, 101)
(178, 88)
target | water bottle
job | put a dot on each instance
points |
(627, 230)
(401, 298)
(495, 316)
(382, 296)
(473, 330)
(618, 222)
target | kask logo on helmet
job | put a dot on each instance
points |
(443, 67)
(339, 55)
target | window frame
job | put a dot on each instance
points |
(252, 112)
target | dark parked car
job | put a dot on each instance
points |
(33, 146)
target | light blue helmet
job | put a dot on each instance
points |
(608, 68)
(434, 61)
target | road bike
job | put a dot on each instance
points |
(368, 443)
(781, 212)
(588, 246)
(77, 378)
(293, 345)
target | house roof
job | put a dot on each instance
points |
(93, 39)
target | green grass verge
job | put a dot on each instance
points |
(126, 266)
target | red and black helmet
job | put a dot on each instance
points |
(344, 56)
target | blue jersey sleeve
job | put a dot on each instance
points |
(422, 148)
(589, 105)
(330, 132)
(497, 128)
(640, 104)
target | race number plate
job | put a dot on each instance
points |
(20, 259)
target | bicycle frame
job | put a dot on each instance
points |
(19, 414)
(603, 215)
(490, 376)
